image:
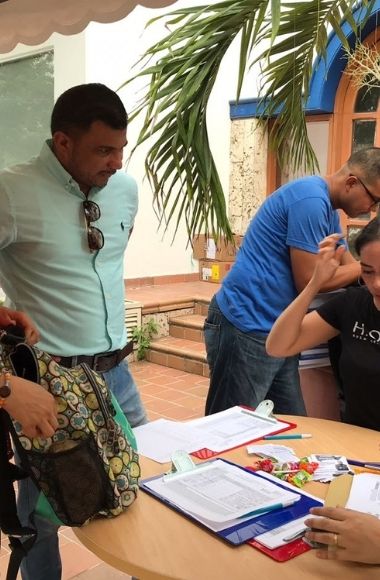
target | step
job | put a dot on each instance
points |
(201, 306)
(189, 327)
(179, 353)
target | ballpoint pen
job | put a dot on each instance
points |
(296, 535)
(369, 464)
(294, 436)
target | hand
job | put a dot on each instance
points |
(12, 317)
(357, 535)
(328, 260)
(33, 407)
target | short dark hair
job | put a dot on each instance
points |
(370, 233)
(82, 105)
(367, 161)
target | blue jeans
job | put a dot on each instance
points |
(44, 561)
(242, 373)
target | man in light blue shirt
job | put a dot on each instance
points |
(65, 220)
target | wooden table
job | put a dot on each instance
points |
(151, 541)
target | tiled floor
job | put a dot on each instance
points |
(166, 392)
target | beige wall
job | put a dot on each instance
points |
(248, 157)
(106, 53)
(111, 52)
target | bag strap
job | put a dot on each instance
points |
(21, 538)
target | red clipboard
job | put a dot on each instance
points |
(282, 553)
(206, 453)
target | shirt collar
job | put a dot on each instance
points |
(56, 168)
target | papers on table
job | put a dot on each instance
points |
(365, 494)
(236, 426)
(158, 439)
(280, 453)
(284, 534)
(330, 466)
(220, 492)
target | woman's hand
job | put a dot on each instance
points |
(348, 535)
(328, 260)
(33, 407)
(10, 317)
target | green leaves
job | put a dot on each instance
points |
(285, 37)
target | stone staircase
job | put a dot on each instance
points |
(183, 348)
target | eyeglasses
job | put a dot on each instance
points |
(95, 237)
(376, 200)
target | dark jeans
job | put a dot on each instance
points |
(242, 373)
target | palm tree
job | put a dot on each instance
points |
(285, 37)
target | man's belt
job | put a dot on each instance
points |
(103, 362)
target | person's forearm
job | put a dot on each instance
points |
(282, 339)
(344, 275)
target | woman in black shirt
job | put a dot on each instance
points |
(354, 315)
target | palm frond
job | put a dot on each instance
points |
(179, 164)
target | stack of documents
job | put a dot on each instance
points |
(220, 494)
(238, 505)
(215, 433)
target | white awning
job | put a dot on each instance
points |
(33, 21)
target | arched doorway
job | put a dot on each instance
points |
(356, 124)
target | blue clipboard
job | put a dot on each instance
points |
(248, 529)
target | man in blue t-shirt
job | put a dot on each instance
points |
(274, 263)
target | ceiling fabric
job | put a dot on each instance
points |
(33, 21)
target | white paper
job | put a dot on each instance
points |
(210, 249)
(281, 453)
(220, 492)
(330, 466)
(284, 534)
(159, 439)
(365, 494)
(234, 427)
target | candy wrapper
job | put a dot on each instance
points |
(295, 472)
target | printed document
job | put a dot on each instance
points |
(220, 492)
(365, 494)
(234, 427)
(231, 428)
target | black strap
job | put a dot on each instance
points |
(21, 539)
(19, 549)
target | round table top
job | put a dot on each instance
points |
(152, 541)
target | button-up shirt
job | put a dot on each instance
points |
(75, 297)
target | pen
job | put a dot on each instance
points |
(294, 436)
(295, 536)
(257, 416)
(270, 508)
(369, 464)
(366, 470)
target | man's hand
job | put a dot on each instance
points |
(33, 407)
(348, 534)
(10, 317)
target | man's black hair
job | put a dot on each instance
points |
(367, 162)
(370, 233)
(80, 106)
